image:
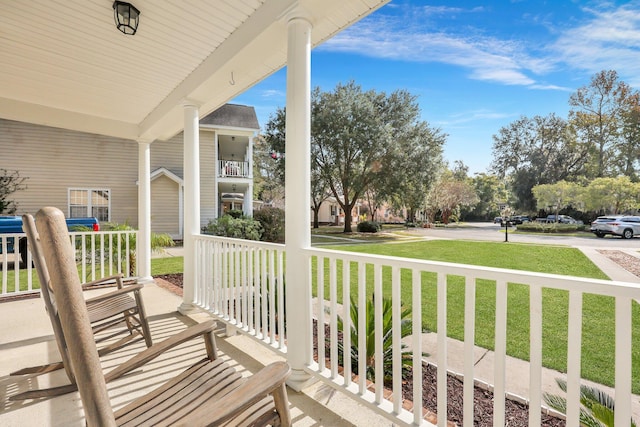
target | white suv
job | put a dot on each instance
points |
(623, 226)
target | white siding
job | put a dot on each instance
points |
(55, 159)
(165, 206)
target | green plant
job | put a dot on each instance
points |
(272, 221)
(239, 228)
(368, 227)
(159, 241)
(597, 410)
(236, 213)
(387, 338)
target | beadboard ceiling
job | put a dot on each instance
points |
(63, 63)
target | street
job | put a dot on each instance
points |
(494, 232)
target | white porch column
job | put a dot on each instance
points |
(143, 241)
(216, 177)
(297, 198)
(191, 204)
(247, 207)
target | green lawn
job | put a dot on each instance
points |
(598, 324)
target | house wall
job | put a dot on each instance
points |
(165, 206)
(169, 154)
(55, 159)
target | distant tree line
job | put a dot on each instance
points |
(599, 139)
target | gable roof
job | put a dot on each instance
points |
(233, 116)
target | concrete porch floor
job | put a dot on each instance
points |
(26, 339)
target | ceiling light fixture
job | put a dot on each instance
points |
(126, 17)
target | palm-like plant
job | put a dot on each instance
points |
(159, 241)
(597, 410)
(387, 338)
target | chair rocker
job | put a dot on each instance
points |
(123, 306)
(210, 393)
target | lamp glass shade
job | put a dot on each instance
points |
(126, 17)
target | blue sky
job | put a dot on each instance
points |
(475, 66)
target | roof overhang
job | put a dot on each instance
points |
(66, 65)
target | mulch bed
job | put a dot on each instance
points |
(516, 414)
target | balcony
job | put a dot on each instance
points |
(233, 169)
(242, 284)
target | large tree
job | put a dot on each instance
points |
(534, 151)
(598, 116)
(612, 195)
(557, 196)
(366, 140)
(10, 182)
(448, 196)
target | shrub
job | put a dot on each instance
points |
(387, 338)
(272, 222)
(537, 227)
(235, 213)
(239, 228)
(598, 408)
(368, 227)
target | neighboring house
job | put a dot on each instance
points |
(331, 213)
(86, 174)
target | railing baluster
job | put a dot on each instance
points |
(263, 297)
(362, 327)
(396, 302)
(500, 354)
(469, 347)
(623, 360)
(320, 321)
(416, 339)
(333, 317)
(442, 348)
(535, 356)
(272, 297)
(346, 320)
(281, 300)
(378, 329)
(574, 343)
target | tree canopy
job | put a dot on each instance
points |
(367, 141)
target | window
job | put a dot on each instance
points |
(88, 202)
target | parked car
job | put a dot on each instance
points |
(616, 225)
(561, 219)
(520, 219)
(500, 220)
(13, 225)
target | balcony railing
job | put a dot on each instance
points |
(241, 283)
(98, 255)
(230, 168)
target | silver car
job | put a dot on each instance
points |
(623, 226)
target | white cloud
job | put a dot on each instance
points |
(486, 58)
(610, 40)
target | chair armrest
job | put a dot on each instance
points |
(128, 289)
(156, 350)
(116, 279)
(256, 387)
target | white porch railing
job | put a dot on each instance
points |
(233, 168)
(234, 275)
(98, 254)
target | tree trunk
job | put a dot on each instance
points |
(347, 219)
(316, 223)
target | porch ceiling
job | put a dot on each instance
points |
(64, 64)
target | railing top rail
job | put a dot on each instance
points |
(587, 285)
(242, 242)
